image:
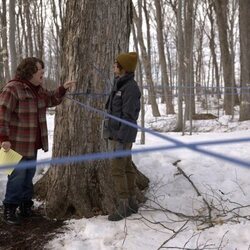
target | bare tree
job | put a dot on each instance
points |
(22, 45)
(232, 36)
(212, 47)
(12, 38)
(220, 7)
(58, 12)
(38, 27)
(163, 63)
(27, 12)
(189, 14)
(4, 47)
(146, 10)
(180, 47)
(244, 59)
(145, 60)
(139, 77)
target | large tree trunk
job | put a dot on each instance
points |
(94, 32)
(245, 59)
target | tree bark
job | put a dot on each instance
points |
(226, 58)
(139, 77)
(56, 34)
(86, 189)
(29, 27)
(180, 45)
(38, 27)
(189, 75)
(199, 55)
(4, 49)
(146, 61)
(244, 59)
(12, 38)
(212, 49)
(163, 63)
(22, 48)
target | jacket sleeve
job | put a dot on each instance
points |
(55, 97)
(8, 102)
(130, 113)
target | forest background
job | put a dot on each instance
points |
(188, 50)
(193, 59)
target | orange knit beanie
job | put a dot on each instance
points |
(128, 61)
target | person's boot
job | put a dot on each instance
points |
(133, 204)
(25, 209)
(121, 212)
(9, 214)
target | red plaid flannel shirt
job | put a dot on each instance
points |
(18, 115)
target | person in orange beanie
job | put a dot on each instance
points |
(124, 102)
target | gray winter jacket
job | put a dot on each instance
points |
(124, 102)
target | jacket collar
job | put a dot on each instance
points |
(27, 84)
(120, 81)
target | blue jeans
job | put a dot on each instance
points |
(20, 186)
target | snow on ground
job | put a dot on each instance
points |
(223, 184)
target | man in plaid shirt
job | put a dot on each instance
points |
(23, 127)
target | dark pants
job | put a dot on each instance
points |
(20, 186)
(123, 172)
